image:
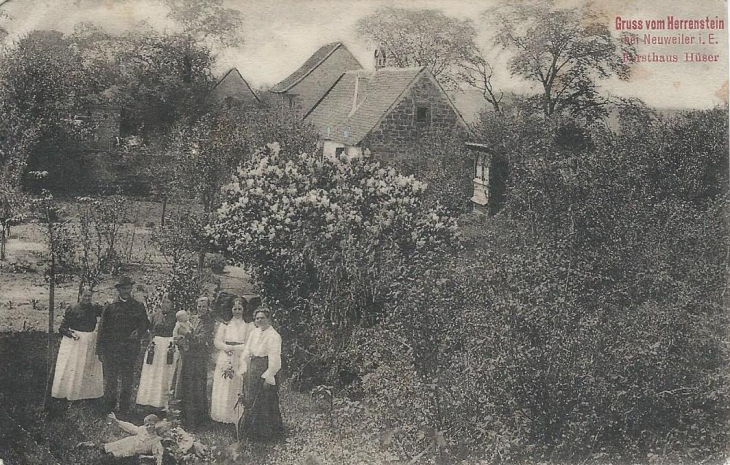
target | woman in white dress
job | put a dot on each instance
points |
(230, 340)
(79, 372)
(160, 359)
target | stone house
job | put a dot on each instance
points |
(383, 112)
(301, 90)
(233, 90)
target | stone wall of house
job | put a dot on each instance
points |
(399, 129)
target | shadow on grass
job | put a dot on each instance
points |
(29, 435)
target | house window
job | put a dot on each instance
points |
(339, 151)
(423, 115)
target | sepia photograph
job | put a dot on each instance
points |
(328, 232)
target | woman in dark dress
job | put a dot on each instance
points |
(192, 385)
(260, 365)
(78, 370)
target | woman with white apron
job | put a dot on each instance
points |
(160, 359)
(79, 372)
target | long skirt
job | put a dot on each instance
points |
(261, 415)
(79, 372)
(224, 398)
(192, 386)
(155, 382)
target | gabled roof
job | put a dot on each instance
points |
(310, 65)
(471, 103)
(338, 116)
(237, 75)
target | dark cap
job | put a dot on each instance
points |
(124, 281)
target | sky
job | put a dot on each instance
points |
(279, 35)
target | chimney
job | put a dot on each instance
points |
(381, 58)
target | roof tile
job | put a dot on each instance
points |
(313, 61)
(333, 116)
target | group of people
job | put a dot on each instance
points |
(100, 349)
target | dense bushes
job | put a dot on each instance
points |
(590, 321)
(586, 321)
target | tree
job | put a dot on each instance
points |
(566, 51)
(477, 72)
(156, 80)
(43, 82)
(421, 38)
(60, 253)
(207, 21)
(208, 152)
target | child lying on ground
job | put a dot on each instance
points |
(147, 439)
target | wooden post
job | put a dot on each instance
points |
(51, 298)
(2, 240)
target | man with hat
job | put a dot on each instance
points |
(123, 324)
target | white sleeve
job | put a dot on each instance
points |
(219, 338)
(129, 427)
(273, 351)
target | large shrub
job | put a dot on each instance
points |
(589, 320)
(327, 241)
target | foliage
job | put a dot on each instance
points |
(42, 83)
(326, 240)
(209, 21)
(208, 150)
(182, 286)
(155, 79)
(447, 172)
(57, 230)
(100, 234)
(48, 77)
(565, 51)
(13, 210)
(588, 320)
(180, 239)
(216, 262)
(421, 38)
(477, 72)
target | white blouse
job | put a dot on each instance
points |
(234, 331)
(263, 344)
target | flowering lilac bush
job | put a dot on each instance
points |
(283, 214)
(328, 241)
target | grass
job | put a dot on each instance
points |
(30, 436)
(24, 289)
